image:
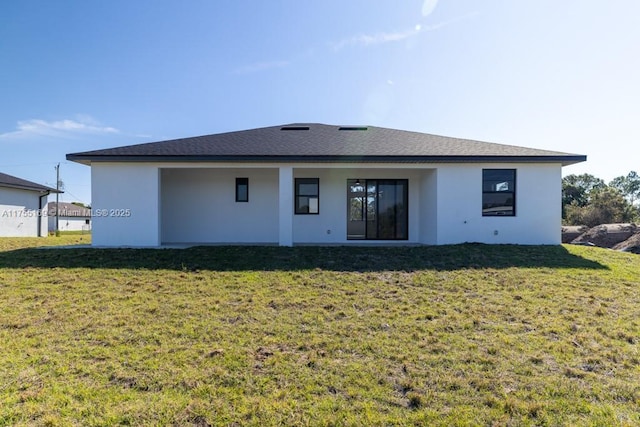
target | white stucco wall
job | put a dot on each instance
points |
(195, 203)
(125, 204)
(19, 213)
(198, 206)
(69, 223)
(330, 225)
(429, 207)
(538, 206)
(285, 204)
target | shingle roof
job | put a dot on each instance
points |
(67, 209)
(15, 182)
(320, 142)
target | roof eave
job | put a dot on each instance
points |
(565, 160)
(28, 188)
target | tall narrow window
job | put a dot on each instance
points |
(307, 196)
(242, 189)
(498, 192)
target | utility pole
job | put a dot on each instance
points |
(57, 195)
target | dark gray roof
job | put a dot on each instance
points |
(22, 184)
(68, 209)
(324, 143)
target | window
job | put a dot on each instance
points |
(498, 192)
(242, 189)
(307, 196)
(377, 209)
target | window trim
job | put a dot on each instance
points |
(297, 195)
(513, 192)
(242, 182)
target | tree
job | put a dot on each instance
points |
(628, 185)
(576, 189)
(606, 205)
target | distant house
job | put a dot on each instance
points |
(70, 217)
(309, 183)
(22, 205)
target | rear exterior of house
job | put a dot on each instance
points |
(22, 207)
(321, 184)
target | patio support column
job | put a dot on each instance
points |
(285, 203)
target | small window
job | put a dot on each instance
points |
(242, 189)
(86, 222)
(498, 192)
(307, 196)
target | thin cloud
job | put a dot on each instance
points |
(366, 40)
(261, 66)
(59, 128)
(374, 39)
(428, 6)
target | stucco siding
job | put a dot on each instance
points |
(538, 206)
(330, 225)
(195, 203)
(19, 213)
(69, 223)
(198, 206)
(125, 204)
(429, 207)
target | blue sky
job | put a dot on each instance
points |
(82, 75)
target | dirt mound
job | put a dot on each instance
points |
(606, 235)
(632, 244)
(571, 232)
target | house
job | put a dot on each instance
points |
(22, 205)
(70, 217)
(324, 184)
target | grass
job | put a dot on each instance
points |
(70, 233)
(454, 335)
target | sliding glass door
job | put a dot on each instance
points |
(377, 209)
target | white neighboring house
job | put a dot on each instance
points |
(323, 184)
(72, 217)
(22, 207)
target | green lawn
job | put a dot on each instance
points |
(72, 233)
(454, 335)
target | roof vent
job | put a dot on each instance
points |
(294, 128)
(353, 128)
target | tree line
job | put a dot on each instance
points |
(588, 200)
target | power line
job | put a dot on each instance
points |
(71, 194)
